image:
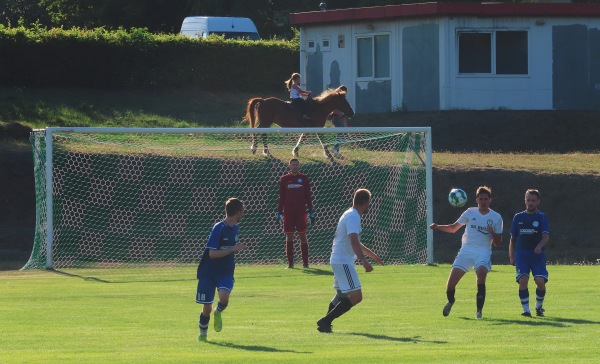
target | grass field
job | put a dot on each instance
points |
(100, 316)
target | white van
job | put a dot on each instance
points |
(203, 26)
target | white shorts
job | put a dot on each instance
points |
(345, 278)
(469, 258)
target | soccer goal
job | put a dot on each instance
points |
(123, 197)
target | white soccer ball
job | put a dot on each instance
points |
(457, 197)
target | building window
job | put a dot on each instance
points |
(373, 56)
(326, 44)
(311, 44)
(494, 52)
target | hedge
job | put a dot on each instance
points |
(97, 58)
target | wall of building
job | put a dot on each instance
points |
(563, 65)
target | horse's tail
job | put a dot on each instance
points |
(251, 111)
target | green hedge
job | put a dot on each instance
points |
(97, 58)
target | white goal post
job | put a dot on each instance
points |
(115, 197)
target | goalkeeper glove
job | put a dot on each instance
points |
(311, 217)
(279, 217)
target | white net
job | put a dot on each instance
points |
(129, 198)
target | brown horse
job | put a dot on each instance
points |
(262, 113)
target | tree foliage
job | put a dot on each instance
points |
(165, 16)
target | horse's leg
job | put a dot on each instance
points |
(336, 146)
(254, 144)
(325, 150)
(266, 152)
(297, 147)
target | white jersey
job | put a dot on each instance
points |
(476, 234)
(294, 93)
(342, 252)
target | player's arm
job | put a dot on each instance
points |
(447, 228)
(511, 249)
(357, 248)
(308, 194)
(542, 243)
(512, 245)
(496, 238)
(545, 235)
(371, 254)
(281, 194)
(220, 253)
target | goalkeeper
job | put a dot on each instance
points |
(295, 207)
(215, 271)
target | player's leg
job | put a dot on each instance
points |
(303, 247)
(336, 299)
(462, 264)
(205, 295)
(289, 245)
(345, 280)
(481, 271)
(522, 277)
(540, 277)
(224, 287)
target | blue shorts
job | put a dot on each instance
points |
(207, 285)
(527, 261)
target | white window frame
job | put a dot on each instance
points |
(493, 71)
(312, 49)
(372, 36)
(326, 39)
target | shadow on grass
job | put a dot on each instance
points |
(317, 271)
(414, 339)
(540, 321)
(91, 279)
(256, 348)
(94, 279)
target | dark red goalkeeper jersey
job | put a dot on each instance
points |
(294, 193)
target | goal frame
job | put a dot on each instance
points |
(49, 132)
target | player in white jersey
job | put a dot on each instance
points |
(346, 249)
(483, 229)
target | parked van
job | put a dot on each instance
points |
(203, 26)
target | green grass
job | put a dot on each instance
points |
(549, 163)
(141, 316)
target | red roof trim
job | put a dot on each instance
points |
(422, 10)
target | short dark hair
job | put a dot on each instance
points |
(294, 160)
(484, 189)
(361, 196)
(233, 206)
(534, 192)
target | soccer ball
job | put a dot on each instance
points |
(457, 197)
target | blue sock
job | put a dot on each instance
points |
(524, 296)
(539, 298)
(221, 307)
(204, 322)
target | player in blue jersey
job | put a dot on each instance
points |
(483, 229)
(529, 235)
(215, 271)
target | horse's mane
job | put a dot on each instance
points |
(329, 93)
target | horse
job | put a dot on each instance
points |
(262, 113)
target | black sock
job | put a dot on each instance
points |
(450, 295)
(341, 308)
(334, 301)
(480, 296)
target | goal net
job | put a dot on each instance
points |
(118, 197)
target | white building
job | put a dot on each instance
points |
(444, 56)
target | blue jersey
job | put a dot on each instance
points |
(221, 237)
(528, 229)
